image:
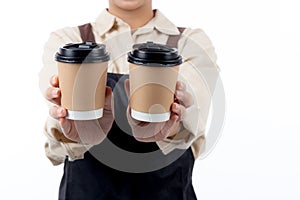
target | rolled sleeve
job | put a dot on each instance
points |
(199, 72)
(55, 150)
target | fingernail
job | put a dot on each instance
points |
(54, 79)
(181, 86)
(54, 92)
(176, 106)
(179, 94)
(60, 111)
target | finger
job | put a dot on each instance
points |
(182, 95)
(108, 113)
(131, 121)
(57, 112)
(54, 81)
(176, 126)
(142, 129)
(127, 87)
(68, 129)
(108, 104)
(53, 94)
(180, 85)
(83, 131)
(179, 110)
(170, 128)
(88, 131)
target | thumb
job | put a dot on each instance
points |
(108, 104)
(65, 125)
(127, 87)
(68, 129)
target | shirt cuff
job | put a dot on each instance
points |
(193, 129)
(192, 120)
(181, 140)
(57, 151)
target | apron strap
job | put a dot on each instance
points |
(173, 39)
(86, 32)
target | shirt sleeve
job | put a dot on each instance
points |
(56, 150)
(199, 72)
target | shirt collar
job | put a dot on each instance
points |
(106, 21)
(163, 24)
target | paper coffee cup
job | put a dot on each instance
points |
(82, 69)
(153, 76)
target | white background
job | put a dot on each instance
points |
(258, 48)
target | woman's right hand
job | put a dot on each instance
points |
(82, 131)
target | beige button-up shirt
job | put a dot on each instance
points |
(199, 72)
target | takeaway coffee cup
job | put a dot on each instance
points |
(153, 75)
(82, 69)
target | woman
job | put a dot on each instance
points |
(87, 174)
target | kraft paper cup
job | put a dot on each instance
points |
(153, 76)
(82, 69)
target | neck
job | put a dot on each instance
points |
(134, 18)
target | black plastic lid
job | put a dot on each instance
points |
(88, 52)
(153, 54)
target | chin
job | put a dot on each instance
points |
(129, 4)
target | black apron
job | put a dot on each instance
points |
(90, 179)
